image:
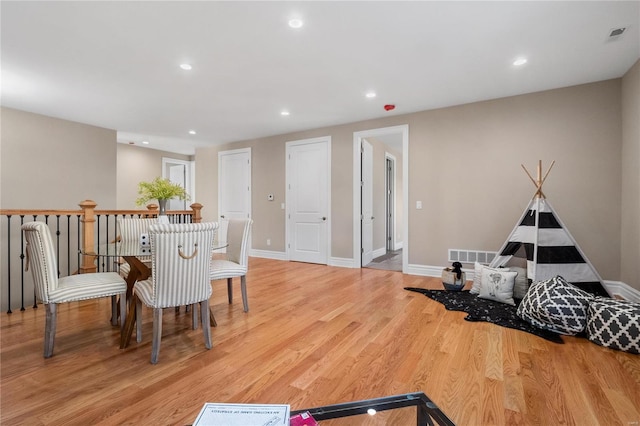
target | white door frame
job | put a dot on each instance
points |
(366, 201)
(357, 206)
(390, 209)
(190, 178)
(327, 140)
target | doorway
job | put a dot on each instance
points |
(182, 173)
(390, 198)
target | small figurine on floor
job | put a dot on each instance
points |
(453, 278)
(457, 269)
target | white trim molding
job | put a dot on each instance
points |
(342, 262)
(617, 288)
(268, 254)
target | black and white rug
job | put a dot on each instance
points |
(478, 309)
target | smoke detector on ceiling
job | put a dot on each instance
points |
(616, 32)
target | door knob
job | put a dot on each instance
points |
(324, 218)
(222, 216)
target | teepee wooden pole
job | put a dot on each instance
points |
(546, 174)
(539, 179)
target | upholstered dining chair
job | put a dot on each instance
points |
(180, 257)
(51, 290)
(237, 262)
(130, 229)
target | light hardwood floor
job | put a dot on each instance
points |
(314, 335)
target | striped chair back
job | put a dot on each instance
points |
(41, 259)
(180, 257)
(130, 229)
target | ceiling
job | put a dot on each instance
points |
(116, 64)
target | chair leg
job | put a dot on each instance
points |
(138, 320)
(194, 317)
(123, 310)
(206, 329)
(114, 310)
(50, 329)
(230, 289)
(243, 288)
(212, 319)
(157, 335)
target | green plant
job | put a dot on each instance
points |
(159, 189)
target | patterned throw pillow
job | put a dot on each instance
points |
(556, 305)
(497, 284)
(477, 276)
(614, 324)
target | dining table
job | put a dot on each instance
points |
(134, 253)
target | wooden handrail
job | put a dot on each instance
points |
(151, 211)
(74, 231)
(88, 213)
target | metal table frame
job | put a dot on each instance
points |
(426, 410)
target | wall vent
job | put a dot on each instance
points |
(471, 256)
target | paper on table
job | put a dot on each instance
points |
(213, 414)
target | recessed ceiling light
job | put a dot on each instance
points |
(285, 113)
(519, 62)
(296, 23)
(192, 132)
(145, 142)
(371, 95)
(186, 67)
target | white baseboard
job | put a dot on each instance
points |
(268, 254)
(342, 262)
(614, 288)
(618, 288)
(424, 270)
(397, 245)
(379, 252)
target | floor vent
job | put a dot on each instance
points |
(471, 256)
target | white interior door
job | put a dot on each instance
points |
(234, 188)
(308, 186)
(180, 172)
(178, 175)
(367, 202)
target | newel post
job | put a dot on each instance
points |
(197, 217)
(153, 209)
(88, 235)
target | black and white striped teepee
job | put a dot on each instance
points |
(544, 241)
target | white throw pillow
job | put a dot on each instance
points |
(521, 284)
(497, 284)
(477, 276)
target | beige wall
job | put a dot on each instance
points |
(51, 163)
(48, 163)
(464, 165)
(630, 246)
(137, 164)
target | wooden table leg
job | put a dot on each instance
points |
(127, 330)
(138, 271)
